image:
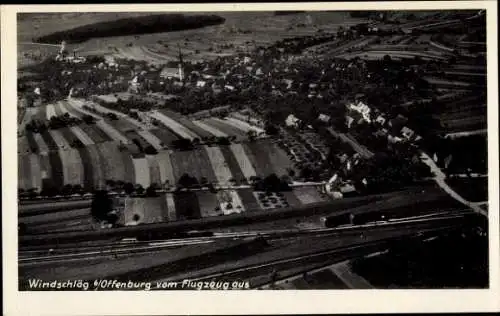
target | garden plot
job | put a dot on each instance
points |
(61, 107)
(59, 139)
(57, 168)
(219, 165)
(68, 135)
(241, 125)
(40, 142)
(230, 202)
(214, 131)
(309, 195)
(248, 199)
(243, 161)
(170, 202)
(23, 145)
(96, 134)
(81, 135)
(292, 199)
(246, 117)
(122, 125)
(110, 162)
(129, 168)
(101, 123)
(234, 167)
(45, 167)
(112, 132)
(278, 158)
(24, 172)
(56, 216)
(72, 166)
(33, 146)
(144, 210)
(133, 135)
(173, 125)
(88, 176)
(151, 139)
(50, 111)
(195, 163)
(271, 200)
(259, 158)
(154, 170)
(49, 140)
(184, 121)
(35, 171)
(164, 135)
(165, 168)
(141, 168)
(209, 205)
(225, 128)
(98, 175)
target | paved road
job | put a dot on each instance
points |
(440, 176)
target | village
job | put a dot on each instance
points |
(330, 124)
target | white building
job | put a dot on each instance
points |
(324, 118)
(407, 133)
(362, 109)
(292, 121)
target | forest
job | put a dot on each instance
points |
(132, 26)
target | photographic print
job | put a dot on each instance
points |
(274, 150)
(250, 158)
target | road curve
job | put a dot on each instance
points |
(440, 177)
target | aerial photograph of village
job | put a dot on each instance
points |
(266, 150)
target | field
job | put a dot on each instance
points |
(110, 158)
(224, 129)
(141, 168)
(166, 168)
(195, 163)
(173, 125)
(164, 135)
(471, 189)
(145, 210)
(219, 165)
(243, 161)
(72, 167)
(154, 170)
(212, 130)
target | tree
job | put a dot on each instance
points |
(271, 129)
(128, 188)
(67, 190)
(187, 181)
(251, 134)
(101, 205)
(139, 189)
(151, 191)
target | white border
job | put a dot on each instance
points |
(237, 302)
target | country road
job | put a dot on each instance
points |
(440, 177)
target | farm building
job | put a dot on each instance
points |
(292, 121)
(407, 133)
(170, 72)
(380, 119)
(324, 118)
